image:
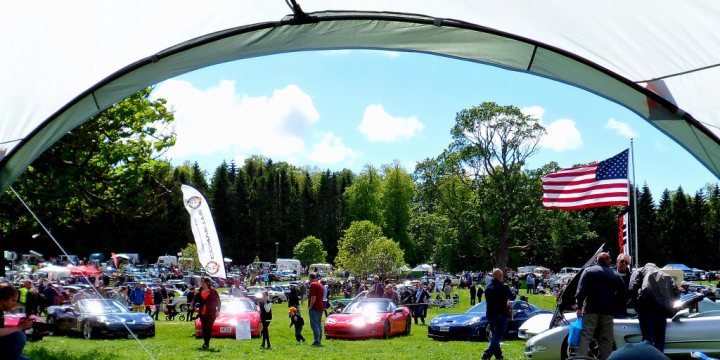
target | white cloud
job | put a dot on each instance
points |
(621, 128)
(378, 125)
(535, 111)
(331, 150)
(562, 135)
(218, 119)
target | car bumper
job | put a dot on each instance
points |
(227, 331)
(454, 332)
(343, 331)
(121, 331)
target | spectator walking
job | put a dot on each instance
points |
(497, 295)
(299, 322)
(315, 308)
(237, 290)
(157, 301)
(265, 319)
(448, 290)
(12, 339)
(149, 302)
(209, 304)
(598, 292)
(294, 298)
(191, 303)
(656, 292)
(473, 292)
(421, 299)
(326, 296)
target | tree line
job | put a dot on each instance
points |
(106, 187)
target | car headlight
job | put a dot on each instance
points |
(330, 321)
(472, 321)
(147, 320)
(434, 321)
(359, 322)
(103, 320)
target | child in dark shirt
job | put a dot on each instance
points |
(297, 320)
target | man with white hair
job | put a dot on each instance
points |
(497, 295)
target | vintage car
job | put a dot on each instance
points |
(233, 311)
(473, 324)
(693, 328)
(368, 318)
(99, 317)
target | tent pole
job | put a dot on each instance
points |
(635, 211)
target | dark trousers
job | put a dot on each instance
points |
(265, 333)
(190, 314)
(12, 346)
(653, 321)
(206, 322)
(497, 323)
(298, 334)
(419, 312)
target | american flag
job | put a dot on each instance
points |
(601, 184)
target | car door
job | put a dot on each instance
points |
(695, 331)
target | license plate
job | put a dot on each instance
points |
(226, 329)
(444, 328)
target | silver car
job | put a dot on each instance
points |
(693, 328)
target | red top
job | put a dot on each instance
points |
(316, 290)
(148, 298)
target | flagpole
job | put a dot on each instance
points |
(635, 227)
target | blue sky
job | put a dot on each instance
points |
(347, 108)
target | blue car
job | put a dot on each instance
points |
(473, 324)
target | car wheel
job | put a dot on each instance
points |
(488, 332)
(52, 328)
(569, 351)
(184, 307)
(386, 330)
(87, 330)
(408, 326)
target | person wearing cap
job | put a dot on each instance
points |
(299, 322)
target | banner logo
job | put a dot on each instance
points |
(194, 202)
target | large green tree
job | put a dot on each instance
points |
(364, 197)
(103, 183)
(310, 251)
(397, 192)
(353, 245)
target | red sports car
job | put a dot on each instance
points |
(231, 313)
(368, 318)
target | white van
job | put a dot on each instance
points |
(167, 261)
(289, 265)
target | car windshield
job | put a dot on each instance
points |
(368, 307)
(101, 307)
(235, 307)
(479, 308)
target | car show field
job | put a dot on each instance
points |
(176, 340)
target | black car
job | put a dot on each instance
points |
(99, 317)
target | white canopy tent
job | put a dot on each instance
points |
(423, 267)
(66, 61)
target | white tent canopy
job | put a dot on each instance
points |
(423, 267)
(66, 61)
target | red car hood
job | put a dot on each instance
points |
(225, 318)
(347, 318)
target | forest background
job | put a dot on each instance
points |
(106, 187)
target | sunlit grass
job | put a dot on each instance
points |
(174, 340)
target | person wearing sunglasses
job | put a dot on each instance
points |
(622, 264)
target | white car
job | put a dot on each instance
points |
(693, 328)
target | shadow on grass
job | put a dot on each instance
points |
(44, 354)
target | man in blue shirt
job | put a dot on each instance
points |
(137, 298)
(497, 295)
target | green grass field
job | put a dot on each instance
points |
(174, 340)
